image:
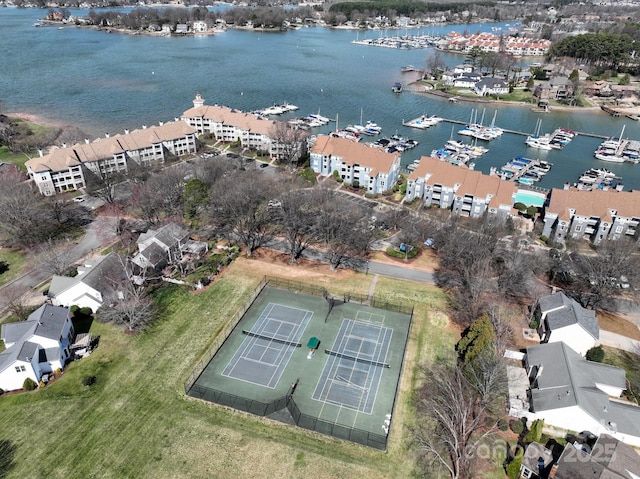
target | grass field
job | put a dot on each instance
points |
(16, 262)
(136, 421)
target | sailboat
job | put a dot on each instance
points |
(611, 150)
(537, 141)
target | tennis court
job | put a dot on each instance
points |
(267, 348)
(352, 374)
(325, 364)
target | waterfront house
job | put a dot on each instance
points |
(592, 215)
(199, 26)
(465, 192)
(490, 86)
(35, 347)
(230, 125)
(557, 88)
(608, 458)
(372, 169)
(95, 282)
(570, 393)
(561, 318)
(68, 168)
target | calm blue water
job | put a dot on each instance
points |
(108, 82)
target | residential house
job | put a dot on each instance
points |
(68, 168)
(490, 86)
(571, 393)
(599, 88)
(96, 283)
(489, 42)
(536, 461)
(182, 29)
(200, 26)
(164, 246)
(230, 125)
(35, 347)
(609, 458)
(559, 88)
(465, 192)
(561, 318)
(594, 215)
(464, 80)
(372, 169)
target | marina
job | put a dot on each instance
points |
(318, 69)
(524, 171)
(619, 150)
(599, 179)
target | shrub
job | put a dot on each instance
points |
(513, 468)
(533, 324)
(520, 206)
(394, 253)
(4, 266)
(1, 391)
(596, 354)
(88, 380)
(29, 384)
(503, 424)
(516, 426)
(543, 238)
(535, 433)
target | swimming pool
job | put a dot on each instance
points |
(530, 198)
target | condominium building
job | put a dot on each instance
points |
(230, 125)
(66, 168)
(594, 215)
(372, 169)
(465, 192)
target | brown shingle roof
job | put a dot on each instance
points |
(352, 152)
(598, 203)
(228, 116)
(471, 182)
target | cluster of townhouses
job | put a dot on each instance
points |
(68, 168)
(560, 386)
(489, 42)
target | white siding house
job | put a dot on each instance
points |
(562, 319)
(571, 393)
(35, 347)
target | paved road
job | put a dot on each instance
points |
(618, 341)
(99, 232)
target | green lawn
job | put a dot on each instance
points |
(136, 421)
(16, 262)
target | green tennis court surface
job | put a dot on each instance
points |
(345, 387)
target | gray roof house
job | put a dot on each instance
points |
(167, 245)
(35, 347)
(491, 86)
(536, 461)
(571, 393)
(609, 459)
(95, 283)
(561, 318)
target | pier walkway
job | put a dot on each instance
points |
(522, 133)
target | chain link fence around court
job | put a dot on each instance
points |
(300, 287)
(222, 337)
(312, 423)
(259, 408)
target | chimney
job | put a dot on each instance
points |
(106, 135)
(126, 131)
(161, 123)
(144, 127)
(86, 140)
(40, 152)
(553, 471)
(64, 145)
(619, 186)
(566, 186)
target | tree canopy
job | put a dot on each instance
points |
(605, 49)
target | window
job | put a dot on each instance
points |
(20, 369)
(578, 228)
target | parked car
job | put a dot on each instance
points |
(264, 165)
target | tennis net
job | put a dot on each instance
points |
(358, 359)
(269, 338)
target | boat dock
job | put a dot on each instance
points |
(522, 133)
(523, 170)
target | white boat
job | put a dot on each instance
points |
(609, 150)
(423, 122)
(539, 142)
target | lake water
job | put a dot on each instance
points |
(108, 82)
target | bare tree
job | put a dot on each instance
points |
(290, 142)
(15, 300)
(55, 257)
(160, 196)
(454, 407)
(103, 181)
(134, 308)
(240, 208)
(295, 214)
(436, 64)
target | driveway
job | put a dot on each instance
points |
(100, 232)
(618, 341)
